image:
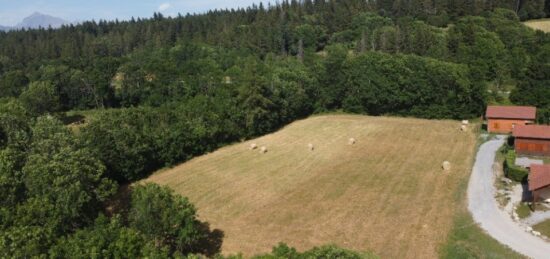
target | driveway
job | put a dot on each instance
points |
(484, 208)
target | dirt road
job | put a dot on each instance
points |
(484, 208)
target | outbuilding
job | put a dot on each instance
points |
(539, 182)
(532, 140)
(503, 119)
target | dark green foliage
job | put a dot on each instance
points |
(74, 184)
(165, 218)
(543, 116)
(40, 98)
(534, 89)
(512, 171)
(52, 187)
(107, 238)
(441, 90)
(13, 83)
(282, 250)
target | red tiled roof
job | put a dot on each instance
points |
(539, 177)
(532, 131)
(512, 112)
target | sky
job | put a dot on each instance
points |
(13, 11)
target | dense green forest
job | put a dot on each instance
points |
(160, 91)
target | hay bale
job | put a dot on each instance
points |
(463, 128)
(465, 122)
(352, 141)
(446, 166)
(263, 150)
(311, 147)
(253, 146)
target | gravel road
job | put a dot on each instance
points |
(485, 210)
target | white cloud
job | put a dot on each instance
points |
(165, 6)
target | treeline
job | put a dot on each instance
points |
(264, 29)
(190, 98)
(164, 90)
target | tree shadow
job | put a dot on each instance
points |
(484, 126)
(120, 202)
(526, 195)
(211, 244)
(73, 119)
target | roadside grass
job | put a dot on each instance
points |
(467, 239)
(543, 228)
(523, 210)
(540, 24)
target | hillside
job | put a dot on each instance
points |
(542, 24)
(386, 193)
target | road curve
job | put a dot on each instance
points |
(485, 211)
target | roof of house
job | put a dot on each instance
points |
(512, 112)
(539, 177)
(532, 131)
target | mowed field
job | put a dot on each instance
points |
(542, 24)
(387, 193)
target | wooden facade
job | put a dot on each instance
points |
(534, 147)
(504, 126)
(503, 119)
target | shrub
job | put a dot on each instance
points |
(512, 171)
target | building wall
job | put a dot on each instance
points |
(542, 194)
(536, 147)
(504, 126)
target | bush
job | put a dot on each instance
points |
(512, 171)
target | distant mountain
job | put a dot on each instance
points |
(5, 28)
(37, 20)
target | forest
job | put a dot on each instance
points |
(159, 91)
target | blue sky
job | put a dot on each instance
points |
(13, 11)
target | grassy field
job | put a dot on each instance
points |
(542, 24)
(543, 227)
(387, 193)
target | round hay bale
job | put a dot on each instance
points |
(310, 147)
(465, 122)
(352, 141)
(253, 146)
(446, 166)
(263, 150)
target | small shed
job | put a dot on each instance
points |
(503, 119)
(539, 182)
(532, 140)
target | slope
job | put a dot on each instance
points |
(387, 193)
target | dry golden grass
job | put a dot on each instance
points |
(542, 24)
(387, 193)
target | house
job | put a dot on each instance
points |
(532, 140)
(502, 119)
(539, 182)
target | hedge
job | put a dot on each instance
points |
(512, 171)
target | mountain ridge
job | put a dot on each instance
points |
(37, 20)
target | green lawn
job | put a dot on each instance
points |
(523, 210)
(467, 240)
(543, 228)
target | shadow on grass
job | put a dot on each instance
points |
(212, 242)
